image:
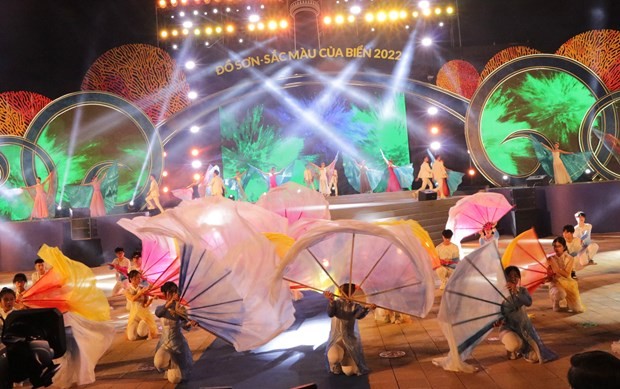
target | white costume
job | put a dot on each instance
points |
(439, 175)
(425, 174)
(448, 256)
(152, 198)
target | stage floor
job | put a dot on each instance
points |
(297, 356)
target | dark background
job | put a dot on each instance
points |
(46, 46)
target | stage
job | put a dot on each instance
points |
(548, 208)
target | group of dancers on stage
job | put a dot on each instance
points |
(572, 251)
(563, 166)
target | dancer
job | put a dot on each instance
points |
(344, 347)
(194, 186)
(172, 352)
(563, 287)
(425, 175)
(489, 234)
(393, 185)
(97, 205)
(399, 177)
(216, 184)
(583, 230)
(560, 175)
(516, 330)
(40, 270)
(152, 197)
(582, 253)
(121, 264)
(7, 304)
(333, 183)
(141, 321)
(440, 175)
(19, 283)
(40, 207)
(325, 175)
(364, 182)
(136, 262)
(309, 176)
(449, 257)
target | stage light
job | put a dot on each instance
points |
(369, 17)
(192, 95)
(194, 152)
(162, 3)
(230, 28)
(434, 130)
(505, 177)
(393, 15)
(196, 164)
(185, 31)
(251, 27)
(196, 176)
(184, 2)
(432, 110)
(196, 31)
(260, 26)
(272, 25)
(240, 40)
(195, 13)
(207, 44)
(218, 30)
(588, 171)
(175, 46)
(59, 207)
(426, 11)
(424, 4)
(181, 14)
(471, 172)
(407, 27)
(189, 65)
(164, 173)
(426, 41)
(339, 19)
(248, 8)
(194, 129)
(381, 16)
(165, 154)
(449, 10)
(164, 34)
(283, 24)
(209, 30)
(415, 14)
(166, 189)
(215, 10)
(131, 203)
(435, 145)
(254, 18)
(175, 33)
(187, 24)
(327, 20)
(227, 9)
(440, 24)
(437, 11)
(262, 6)
(402, 14)
(356, 9)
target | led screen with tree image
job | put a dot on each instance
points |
(289, 133)
(537, 105)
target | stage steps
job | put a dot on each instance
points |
(432, 215)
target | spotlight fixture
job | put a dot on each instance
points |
(432, 110)
(435, 145)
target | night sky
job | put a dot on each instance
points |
(46, 46)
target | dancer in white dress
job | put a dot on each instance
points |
(560, 174)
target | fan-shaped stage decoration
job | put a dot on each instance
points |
(227, 272)
(526, 253)
(504, 56)
(471, 213)
(599, 50)
(460, 77)
(295, 202)
(17, 109)
(387, 264)
(142, 74)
